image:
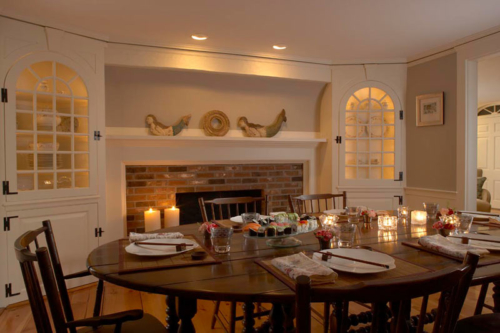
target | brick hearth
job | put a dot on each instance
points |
(156, 186)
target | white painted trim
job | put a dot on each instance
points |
(429, 192)
(155, 57)
(16, 205)
(430, 57)
(415, 197)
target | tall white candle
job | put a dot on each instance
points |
(152, 220)
(171, 217)
(418, 217)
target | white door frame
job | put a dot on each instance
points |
(467, 58)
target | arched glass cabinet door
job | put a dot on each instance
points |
(370, 127)
(49, 148)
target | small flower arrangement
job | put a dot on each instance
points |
(372, 213)
(443, 225)
(206, 227)
(324, 235)
(445, 211)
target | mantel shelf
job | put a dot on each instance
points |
(149, 140)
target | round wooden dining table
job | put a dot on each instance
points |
(239, 278)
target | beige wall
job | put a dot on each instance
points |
(132, 93)
(431, 150)
(488, 81)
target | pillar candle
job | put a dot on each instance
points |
(418, 217)
(171, 217)
(152, 220)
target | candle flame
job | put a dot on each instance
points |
(150, 209)
(173, 208)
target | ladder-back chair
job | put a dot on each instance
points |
(225, 208)
(317, 203)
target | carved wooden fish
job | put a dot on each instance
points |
(157, 128)
(256, 130)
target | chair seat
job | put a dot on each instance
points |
(479, 324)
(147, 323)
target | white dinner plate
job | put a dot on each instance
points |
(157, 250)
(239, 219)
(479, 244)
(356, 267)
(335, 211)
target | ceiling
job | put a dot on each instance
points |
(317, 30)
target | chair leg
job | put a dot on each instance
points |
(98, 298)
(480, 299)
(232, 316)
(215, 314)
(326, 317)
(258, 309)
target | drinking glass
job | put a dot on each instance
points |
(346, 232)
(352, 211)
(432, 209)
(463, 223)
(249, 217)
(221, 239)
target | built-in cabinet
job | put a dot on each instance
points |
(52, 104)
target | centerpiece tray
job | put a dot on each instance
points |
(130, 263)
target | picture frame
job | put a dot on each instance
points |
(430, 109)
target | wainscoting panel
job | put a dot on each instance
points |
(415, 197)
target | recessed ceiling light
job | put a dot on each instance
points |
(199, 37)
(279, 47)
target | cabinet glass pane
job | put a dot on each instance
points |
(78, 87)
(24, 141)
(81, 161)
(24, 101)
(63, 161)
(62, 88)
(81, 125)
(45, 142)
(45, 181)
(26, 81)
(46, 86)
(64, 142)
(25, 162)
(63, 104)
(64, 72)
(81, 107)
(45, 161)
(25, 182)
(64, 180)
(43, 69)
(44, 103)
(45, 122)
(370, 135)
(81, 179)
(64, 124)
(81, 143)
(24, 121)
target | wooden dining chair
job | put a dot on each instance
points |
(453, 284)
(47, 259)
(225, 208)
(317, 203)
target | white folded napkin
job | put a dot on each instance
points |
(300, 264)
(136, 237)
(443, 245)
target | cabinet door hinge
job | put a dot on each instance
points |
(400, 179)
(97, 135)
(400, 199)
(4, 95)
(338, 139)
(6, 188)
(8, 291)
(6, 222)
(98, 232)
(401, 113)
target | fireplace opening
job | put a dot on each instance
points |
(190, 209)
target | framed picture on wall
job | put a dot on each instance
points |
(430, 111)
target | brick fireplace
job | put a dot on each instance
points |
(156, 186)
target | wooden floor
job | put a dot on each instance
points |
(17, 317)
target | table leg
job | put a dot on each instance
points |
(187, 310)
(248, 321)
(172, 318)
(277, 317)
(289, 310)
(496, 297)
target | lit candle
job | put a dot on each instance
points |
(171, 217)
(418, 217)
(329, 221)
(403, 211)
(152, 220)
(387, 222)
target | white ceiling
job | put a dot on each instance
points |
(488, 81)
(320, 30)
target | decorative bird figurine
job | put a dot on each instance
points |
(157, 128)
(256, 130)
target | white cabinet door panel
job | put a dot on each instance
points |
(74, 233)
